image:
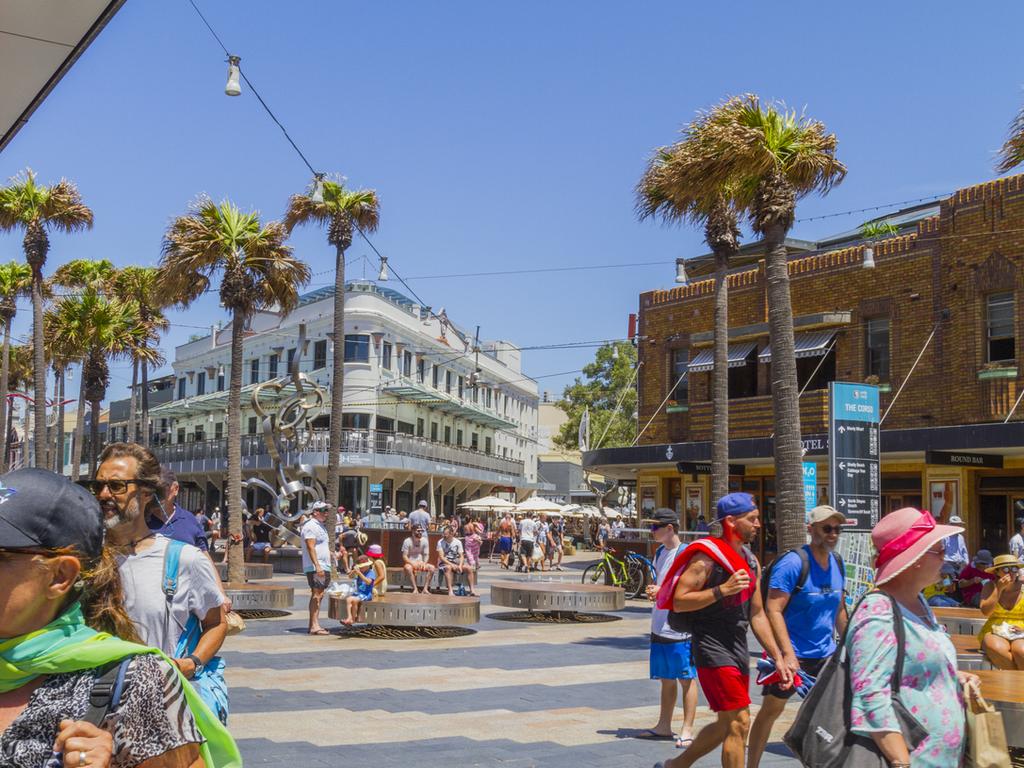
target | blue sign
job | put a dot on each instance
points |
(376, 487)
(854, 454)
(810, 486)
(855, 402)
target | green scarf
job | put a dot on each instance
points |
(66, 644)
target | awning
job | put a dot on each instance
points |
(738, 354)
(807, 345)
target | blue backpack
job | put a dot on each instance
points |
(210, 683)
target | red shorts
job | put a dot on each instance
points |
(725, 688)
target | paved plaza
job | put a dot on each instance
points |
(511, 694)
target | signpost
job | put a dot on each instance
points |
(854, 473)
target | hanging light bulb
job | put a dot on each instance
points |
(869, 257)
(234, 86)
(318, 188)
(383, 277)
(681, 276)
(220, 369)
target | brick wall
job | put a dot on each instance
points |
(953, 261)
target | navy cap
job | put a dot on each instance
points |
(41, 509)
(734, 505)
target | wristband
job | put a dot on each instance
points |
(197, 661)
(717, 592)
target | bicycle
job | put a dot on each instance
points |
(632, 573)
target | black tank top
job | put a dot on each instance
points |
(720, 629)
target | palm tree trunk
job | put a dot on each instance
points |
(720, 381)
(236, 554)
(145, 403)
(38, 373)
(133, 436)
(94, 435)
(5, 382)
(789, 499)
(337, 397)
(79, 438)
(59, 447)
(53, 429)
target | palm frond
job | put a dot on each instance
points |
(58, 207)
(361, 206)
(1012, 152)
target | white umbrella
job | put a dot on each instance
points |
(572, 510)
(609, 512)
(487, 503)
(589, 511)
(537, 504)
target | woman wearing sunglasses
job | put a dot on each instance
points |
(64, 635)
(1002, 601)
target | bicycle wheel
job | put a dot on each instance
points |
(636, 580)
(595, 574)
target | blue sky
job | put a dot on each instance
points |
(504, 135)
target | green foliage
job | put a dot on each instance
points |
(876, 230)
(604, 382)
(60, 207)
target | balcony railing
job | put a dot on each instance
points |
(752, 416)
(365, 442)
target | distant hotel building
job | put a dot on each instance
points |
(413, 422)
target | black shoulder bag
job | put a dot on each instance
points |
(820, 735)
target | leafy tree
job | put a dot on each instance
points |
(608, 392)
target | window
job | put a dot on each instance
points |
(433, 431)
(272, 366)
(385, 424)
(815, 373)
(218, 430)
(220, 381)
(405, 428)
(458, 437)
(407, 363)
(447, 435)
(253, 423)
(743, 378)
(254, 371)
(291, 359)
(421, 370)
(419, 427)
(181, 389)
(487, 446)
(448, 382)
(487, 397)
(320, 354)
(201, 383)
(474, 441)
(876, 348)
(679, 364)
(198, 435)
(1002, 342)
(181, 433)
(461, 384)
(355, 421)
(436, 378)
(385, 356)
(357, 348)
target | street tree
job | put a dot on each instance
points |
(607, 394)
(15, 282)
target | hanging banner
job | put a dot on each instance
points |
(810, 486)
(854, 455)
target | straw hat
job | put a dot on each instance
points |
(1004, 561)
(902, 537)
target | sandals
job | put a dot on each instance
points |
(650, 734)
(321, 631)
(682, 743)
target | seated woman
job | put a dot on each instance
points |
(1002, 601)
(63, 597)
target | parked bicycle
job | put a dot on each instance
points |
(633, 573)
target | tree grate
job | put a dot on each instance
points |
(379, 632)
(262, 613)
(554, 617)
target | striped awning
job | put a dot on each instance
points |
(806, 344)
(738, 354)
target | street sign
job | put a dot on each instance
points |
(854, 472)
(376, 487)
(704, 468)
(810, 486)
(954, 459)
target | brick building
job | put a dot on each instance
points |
(946, 287)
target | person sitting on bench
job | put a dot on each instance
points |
(416, 558)
(451, 558)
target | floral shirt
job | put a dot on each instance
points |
(929, 688)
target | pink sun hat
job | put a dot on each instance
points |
(902, 537)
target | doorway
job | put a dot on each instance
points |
(996, 515)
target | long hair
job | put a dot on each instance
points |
(102, 597)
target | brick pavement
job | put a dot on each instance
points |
(518, 695)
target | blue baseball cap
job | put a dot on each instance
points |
(734, 505)
(41, 509)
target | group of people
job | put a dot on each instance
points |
(710, 592)
(111, 624)
(527, 543)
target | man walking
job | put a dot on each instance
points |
(420, 517)
(506, 532)
(714, 580)
(671, 658)
(806, 608)
(555, 546)
(527, 537)
(316, 562)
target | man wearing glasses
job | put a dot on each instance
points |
(806, 609)
(127, 485)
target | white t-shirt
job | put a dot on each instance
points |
(659, 616)
(542, 533)
(527, 529)
(314, 529)
(417, 553)
(1017, 546)
(450, 549)
(142, 577)
(420, 517)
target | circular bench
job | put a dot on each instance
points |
(561, 599)
(1004, 690)
(409, 610)
(259, 597)
(253, 571)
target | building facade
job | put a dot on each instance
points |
(936, 323)
(426, 416)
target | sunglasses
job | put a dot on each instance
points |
(116, 487)
(1013, 570)
(657, 526)
(830, 529)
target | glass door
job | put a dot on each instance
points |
(993, 517)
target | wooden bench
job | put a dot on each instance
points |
(1004, 689)
(968, 654)
(960, 621)
(408, 610)
(559, 598)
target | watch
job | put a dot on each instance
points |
(197, 661)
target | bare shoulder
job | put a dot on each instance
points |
(700, 565)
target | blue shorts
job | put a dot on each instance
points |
(505, 544)
(672, 661)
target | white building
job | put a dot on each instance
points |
(414, 424)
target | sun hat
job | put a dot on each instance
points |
(40, 509)
(423, 503)
(982, 557)
(956, 520)
(374, 551)
(822, 513)
(734, 505)
(902, 537)
(1004, 561)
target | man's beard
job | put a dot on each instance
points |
(114, 517)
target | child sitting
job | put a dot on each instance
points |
(372, 564)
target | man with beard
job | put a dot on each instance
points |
(126, 486)
(712, 591)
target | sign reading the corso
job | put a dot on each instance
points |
(854, 453)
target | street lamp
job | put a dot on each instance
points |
(681, 276)
(383, 277)
(318, 188)
(234, 87)
(869, 257)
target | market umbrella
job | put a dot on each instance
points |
(487, 504)
(609, 512)
(537, 504)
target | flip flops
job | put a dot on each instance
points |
(650, 734)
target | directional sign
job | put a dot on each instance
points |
(854, 453)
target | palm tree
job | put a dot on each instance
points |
(15, 282)
(62, 354)
(771, 157)
(341, 211)
(139, 284)
(258, 271)
(1012, 153)
(66, 325)
(36, 209)
(19, 377)
(673, 189)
